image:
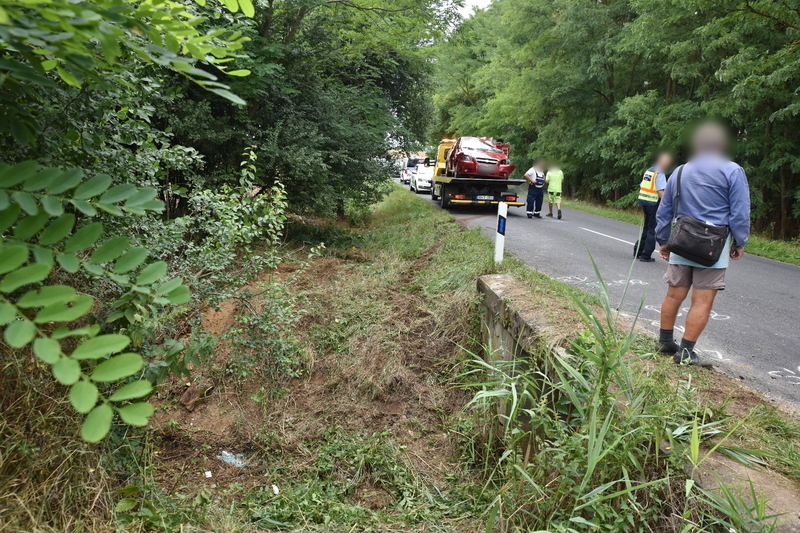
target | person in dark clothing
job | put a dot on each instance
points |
(652, 187)
(535, 177)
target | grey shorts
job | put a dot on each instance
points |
(699, 278)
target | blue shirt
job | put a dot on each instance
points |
(714, 190)
(661, 183)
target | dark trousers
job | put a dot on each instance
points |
(647, 241)
(535, 199)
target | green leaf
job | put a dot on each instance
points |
(26, 202)
(145, 194)
(130, 260)
(136, 414)
(70, 179)
(13, 257)
(31, 225)
(52, 204)
(67, 371)
(49, 64)
(68, 78)
(20, 333)
(228, 96)
(8, 216)
(111, 209)
(58, 229)
(7, 313)
(247, 8)
(110, 250)
(137, 389)
(125, 505)
(97, 270)
(101, 346)
(42, 179)
(84, 238)
(63, 332)
(118, 367)
(181, 295)
(118, 193)
(46, 349)
(64, 312)
(93, 187)
(241, 73)
(46, 296)
(232, 6)
(84, 207)
(152, 273)
(170, 286)
(69, 262)
(97, 423)
(4, 201)
(18, 173)
(24, 276)
(43, 255)
(83, 396)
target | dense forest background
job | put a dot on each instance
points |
(601, 85)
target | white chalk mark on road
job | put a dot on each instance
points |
(604, 235)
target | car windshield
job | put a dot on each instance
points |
(480, 146)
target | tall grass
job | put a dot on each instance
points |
(587, 441)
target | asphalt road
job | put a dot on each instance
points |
(754, 331)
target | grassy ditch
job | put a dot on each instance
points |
(786, 251)
(344, 380)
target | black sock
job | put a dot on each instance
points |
(665, 336)
(687, 345)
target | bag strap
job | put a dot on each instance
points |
(678, 193)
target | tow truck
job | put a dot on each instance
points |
(475, 174)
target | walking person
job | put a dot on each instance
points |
(651, 189)
(714, 191)
(554, 180)
(535, 177)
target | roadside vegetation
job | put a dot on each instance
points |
(351, 383)
(786, 251)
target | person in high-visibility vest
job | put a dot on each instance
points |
(652, 187)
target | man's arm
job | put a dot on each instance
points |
(661, 183)
(665, 212)
(739, 220)
(529, 177)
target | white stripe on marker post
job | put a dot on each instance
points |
(500, 237)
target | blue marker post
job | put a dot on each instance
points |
(500, 237)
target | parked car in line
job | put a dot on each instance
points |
(478, 158)
(421, 179)
(405, 175)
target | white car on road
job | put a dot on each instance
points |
(421, 179)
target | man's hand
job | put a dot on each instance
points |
(736, 253)
(664, 253)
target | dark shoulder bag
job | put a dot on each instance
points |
(695, 240)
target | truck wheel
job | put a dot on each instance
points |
(433, 192)
(444, 199)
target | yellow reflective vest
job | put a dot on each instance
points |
(647, 189)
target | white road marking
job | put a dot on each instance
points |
(604, 235)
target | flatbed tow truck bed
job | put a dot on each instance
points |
(468, 187)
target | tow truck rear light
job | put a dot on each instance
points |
(509, 198)
(460, 196)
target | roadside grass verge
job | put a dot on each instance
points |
(785, 251)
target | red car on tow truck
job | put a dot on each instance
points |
(479, 158)
(475, 171)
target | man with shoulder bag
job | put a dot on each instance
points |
(703, 221)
